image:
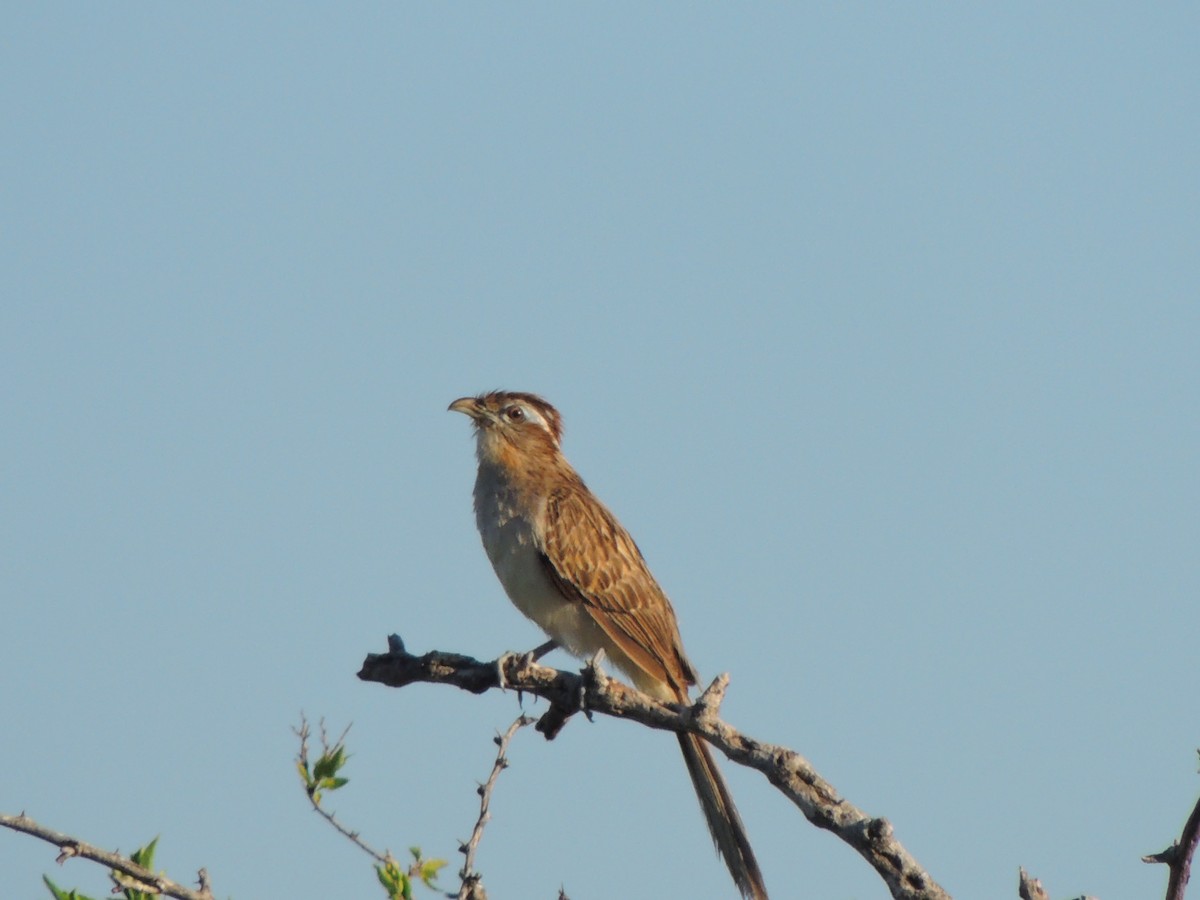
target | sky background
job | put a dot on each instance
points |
(876, 324)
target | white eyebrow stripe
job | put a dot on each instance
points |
(533, 415)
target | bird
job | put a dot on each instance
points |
(567, 563)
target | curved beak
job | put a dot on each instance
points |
(467, 406)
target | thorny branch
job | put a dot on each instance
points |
(303, 732)
(127, 873)
(568, 693)
(322, 776)
(472, 884)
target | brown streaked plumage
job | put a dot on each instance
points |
(565, 562)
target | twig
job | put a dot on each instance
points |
(472, 885)
(144, 878)
(303, 733)
(790, 772)
(1178, 857)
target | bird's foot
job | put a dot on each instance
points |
(523, 661)
(539, 651)
(593, 677)
(502, 662)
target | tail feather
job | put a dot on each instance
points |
(724, 823)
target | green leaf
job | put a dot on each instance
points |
(144, 856)
(331, 784)
(394, 880)
(430, 869)
(60, 894)
(329, 763)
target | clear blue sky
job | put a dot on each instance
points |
(877, 325)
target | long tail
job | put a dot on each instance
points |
(724, 823)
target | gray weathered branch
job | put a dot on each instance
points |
(138, 876)
(592, 691)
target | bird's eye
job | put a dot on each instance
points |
(515, 413)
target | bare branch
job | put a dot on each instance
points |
(141, 877)
(1178, 857)
(472, 883)
(791, 773)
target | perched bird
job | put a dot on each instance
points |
(565, 562)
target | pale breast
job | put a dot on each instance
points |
(509, 541)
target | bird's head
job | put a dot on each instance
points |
(510, 425)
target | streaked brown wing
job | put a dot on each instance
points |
(595, 561)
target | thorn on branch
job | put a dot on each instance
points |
(1167, 856)
(66, 851)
